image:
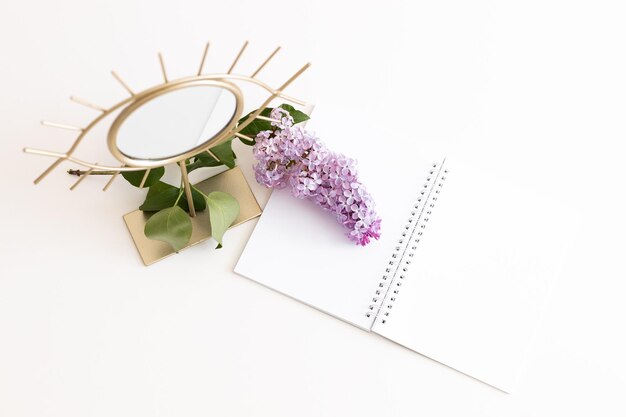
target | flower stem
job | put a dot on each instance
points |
(79, 172)
(180, 194)
(201, 193)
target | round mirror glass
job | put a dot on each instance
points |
(176, 122)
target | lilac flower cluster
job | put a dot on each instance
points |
(289, 156)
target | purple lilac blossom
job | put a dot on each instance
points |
(290, 157)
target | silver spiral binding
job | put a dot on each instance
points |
(395, 271)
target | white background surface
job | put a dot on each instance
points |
(536, 87)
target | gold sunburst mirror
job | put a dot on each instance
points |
(170, 124)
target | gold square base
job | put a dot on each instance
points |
(232, 182)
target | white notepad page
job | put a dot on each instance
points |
(478, 280)
(475, 288)
(301, 251)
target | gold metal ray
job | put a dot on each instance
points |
(239, 135)
(145, 177)
(81, 179)
(237, 58)
(294, 76)
(187, 187)
(87, 104)
(163, 68)
(119, 79)
(61, 126)
(46, 153)
(49, 169)
(267, 119)
(113, 177)
(65, 157)
(258, 82)
(204, 54)
(210, 152)
(270, 98)
(265, 62)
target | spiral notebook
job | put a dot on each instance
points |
(460, 274)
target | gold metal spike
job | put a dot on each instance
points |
(48, 170)
(87, 104)
(277, 92)
(162, 67)
(243, 48)
(113, 177)
(265, 62)
(204, 54)
(210, 152)
(267, 119)
(294, 76)
(81, 179)
(119, 79)
(61, 126)
(145, 177)
(187, 187)
(239, 135)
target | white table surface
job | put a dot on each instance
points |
(537, 88)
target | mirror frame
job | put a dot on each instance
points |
(149, 95)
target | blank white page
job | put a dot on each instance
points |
(474, 291)
(301, 251)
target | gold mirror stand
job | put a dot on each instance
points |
(226, 80)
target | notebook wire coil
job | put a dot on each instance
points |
(395, 272)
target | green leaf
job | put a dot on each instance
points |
(199, 202)
(298, 116)
(203, 160)
(135, 177)
(158, 187)
(162, 195)
(224, 153)
(171, 225)
(255, 126)
(223, 210)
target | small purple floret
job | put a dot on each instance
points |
(290, 157)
